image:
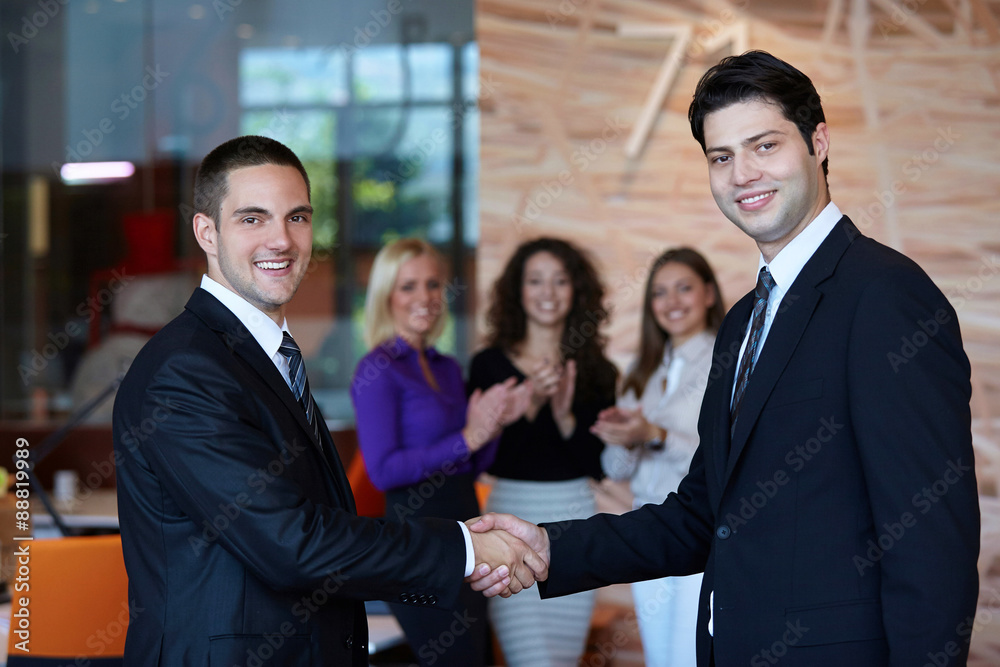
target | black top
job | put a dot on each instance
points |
(535, 450)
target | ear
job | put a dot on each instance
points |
(713, 294)
(821, 142)
(206, 234)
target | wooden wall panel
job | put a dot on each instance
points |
(913, 103)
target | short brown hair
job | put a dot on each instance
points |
(211, 185)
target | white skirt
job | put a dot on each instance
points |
(533, 632)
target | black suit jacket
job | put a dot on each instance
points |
(239, 532)
(840, 524)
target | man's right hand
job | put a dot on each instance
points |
(513, 531)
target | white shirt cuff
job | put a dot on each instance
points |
(470, 554)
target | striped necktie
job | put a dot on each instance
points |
(300, 383)
(765, 283)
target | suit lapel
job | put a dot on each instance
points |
(238, 339)
(731, 337)
(786, 331)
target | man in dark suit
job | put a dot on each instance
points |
(832, 504)
(238, 525)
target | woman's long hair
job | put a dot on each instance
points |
(582, 339)
(653, 339)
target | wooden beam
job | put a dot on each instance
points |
(681, 36)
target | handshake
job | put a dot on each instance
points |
(511, 554)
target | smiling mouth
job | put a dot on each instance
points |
(273, 266)
(756, 198)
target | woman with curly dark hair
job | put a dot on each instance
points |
(545, 320)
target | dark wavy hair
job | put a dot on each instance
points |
(758, 76)
(582, 339)
(653, 339)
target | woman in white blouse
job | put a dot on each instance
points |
(652, 432)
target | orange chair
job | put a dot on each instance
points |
(369, 500)
(74, 608)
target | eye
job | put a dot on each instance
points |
(406, 287)
(299, 218)
(433, 284)
(766, 146)
(683, 288)
(250, 220)
(720, 159)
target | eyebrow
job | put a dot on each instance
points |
(745, 142)
(258, 210)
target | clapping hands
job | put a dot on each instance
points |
(511, 554)
(621, 426)
(489, 411)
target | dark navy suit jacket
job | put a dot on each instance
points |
(840, 523)
(239, 530)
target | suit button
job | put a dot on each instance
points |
(422, 599)
(432, 599)
(349, 642)
(723, 532)
(404, 597)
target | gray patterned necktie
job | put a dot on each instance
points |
(765, 283)
(300, 383)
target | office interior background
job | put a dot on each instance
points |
(477, 125)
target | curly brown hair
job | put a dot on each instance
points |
(582, 339)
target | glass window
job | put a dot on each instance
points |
(383, 117)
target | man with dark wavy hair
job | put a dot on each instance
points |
(832, 503)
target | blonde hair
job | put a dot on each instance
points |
(378, 318)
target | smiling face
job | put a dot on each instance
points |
(546, 290)
(262, 246)
(761, 173)
(415, 302)
(680, 301)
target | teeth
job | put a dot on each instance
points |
(273, 265)
(750, 200)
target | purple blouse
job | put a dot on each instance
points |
(406, 430)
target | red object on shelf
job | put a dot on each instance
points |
(150, 238)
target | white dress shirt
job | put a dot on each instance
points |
(671, 400)
(785, 268)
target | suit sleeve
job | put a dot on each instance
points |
(212, 454)
(908, 382)
(378, 403)
(672, 538)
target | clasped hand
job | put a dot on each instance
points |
(511, 554)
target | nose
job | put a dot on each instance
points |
(279, 238)
(745, 170)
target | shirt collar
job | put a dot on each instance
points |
(267, 334)
(693, 346)
(400, 349)
(785, 267)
